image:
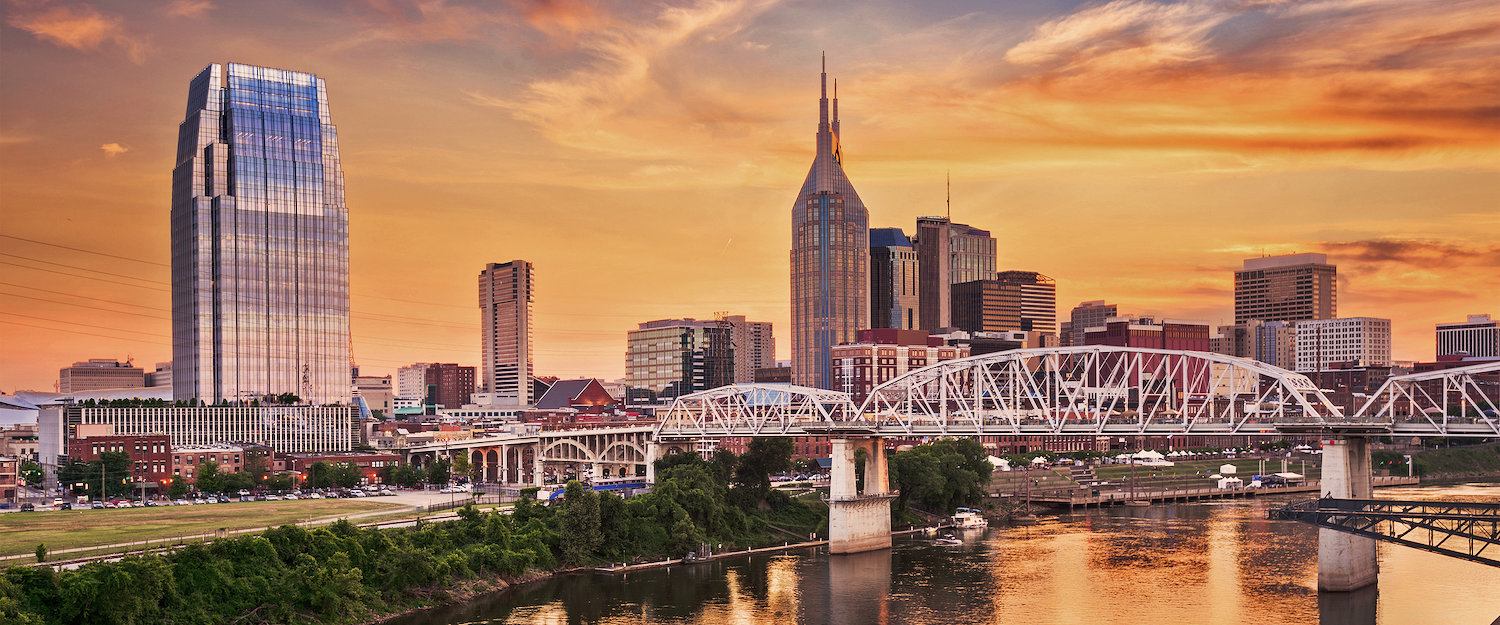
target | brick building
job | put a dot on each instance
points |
(150, 454)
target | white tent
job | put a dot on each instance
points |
(1000, 463)
(1230, 482)
(1149, 455)
(1228, 469)
(1038, 460)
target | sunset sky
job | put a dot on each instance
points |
(645, 156)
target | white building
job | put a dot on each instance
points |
(1479, 336)
(283, 428)
(411, 382)
(1362, 341)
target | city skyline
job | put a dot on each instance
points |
(1395, 183)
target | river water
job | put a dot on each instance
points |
(1209, 562)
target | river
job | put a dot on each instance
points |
(1209, 562)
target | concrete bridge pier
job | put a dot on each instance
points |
(859, 519)
(1346, 562)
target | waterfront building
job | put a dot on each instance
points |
(830, 257)
(1012, 300)
(411, 382)
(879, 355)
(188, 460)
(1150, 333)
(1294, 287)
(586, 394)
(282, 428)
(505, 299)
(260, 241)
(99, 373)
(1478, 337)
(671, 357)
(1083, 316)
(1351, 341)
(150, 454)
(754, 346)
(447, 385)
(894, 294)
(948, 253)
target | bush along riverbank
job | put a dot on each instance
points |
(1446, 464)
(345, 574)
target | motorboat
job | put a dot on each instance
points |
(969, 518)
(947, 541)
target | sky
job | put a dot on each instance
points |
(645, 156)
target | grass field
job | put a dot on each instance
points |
(64, 529)
(1246, 466)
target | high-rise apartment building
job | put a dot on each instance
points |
(1353, 341)
(260, 240)
(830, 257)
(505, 328)
(894, 294)
(1294, 287)
(947, 254)
(1479, 336)
(1012, 300)
(1085, 315)
(448, 385)
(754, 346)
(672, 357)
(99, 373)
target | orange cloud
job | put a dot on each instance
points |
(112, 150)
(188, 8)
(559, 18)
(81, 28)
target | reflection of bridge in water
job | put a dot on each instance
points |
(1094, 390)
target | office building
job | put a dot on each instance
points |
(411, 382)
(505, 297)
(894, 294)
(671, 357)
(948, 253)
(150, 454)
(99, 373)
(754, 346)
(188, 460)
(162, 376)
(1295, 287)
(1343, 343)
(1276, 344)
(448, 385)
(260, 241)
(1237, 340)
(1478, 337)
(830, 257)
(1150, 333)
(1012, 300)
(376, 392)
(881, 354)
(282, 428)
(1086, 315)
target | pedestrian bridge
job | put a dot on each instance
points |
(1097, 390)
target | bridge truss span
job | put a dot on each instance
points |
(757, 410)
(1462, 401)
(1097, 390)
(1465, 530)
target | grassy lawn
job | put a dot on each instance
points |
(64, 529)
(1246, 467)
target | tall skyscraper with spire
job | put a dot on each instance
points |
(260, 241)
(830, 256)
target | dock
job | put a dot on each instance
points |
(1083, 497)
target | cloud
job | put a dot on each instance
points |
(79, 27)
(188, 8)
(112, 149)
(1426, 254)
(564, 18)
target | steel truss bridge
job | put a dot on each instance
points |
(1097, 390)
(1459, 529)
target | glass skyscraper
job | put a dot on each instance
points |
(830, 258)
(260, 241)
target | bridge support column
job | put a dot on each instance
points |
(1346, 562)
(859, 521)
(653, 451)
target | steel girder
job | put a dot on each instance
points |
(1100, 390)
(1424, 403)
(756, 410)
(1470, 531)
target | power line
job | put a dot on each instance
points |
(99, 271)
(76, 249)
(139, 286)
(85, 325)
(97, 299)
(110, 310)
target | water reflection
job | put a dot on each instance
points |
(1214, 562)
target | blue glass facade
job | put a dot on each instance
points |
(830, 258)
(260, 240)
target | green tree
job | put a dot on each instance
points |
(462, 466)
(31, 472)
(41, 552)
(209, 480)
(941, 475)
(763, 457)
(439, 471)
(256, 466)
(178, 489)
(580, 532)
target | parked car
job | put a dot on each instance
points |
(315, 496)
(181, 502)
(28, 507)
(98, 505)
(386, 492)
(64, 506)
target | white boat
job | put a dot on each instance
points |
(948, 541)
(967, 518)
